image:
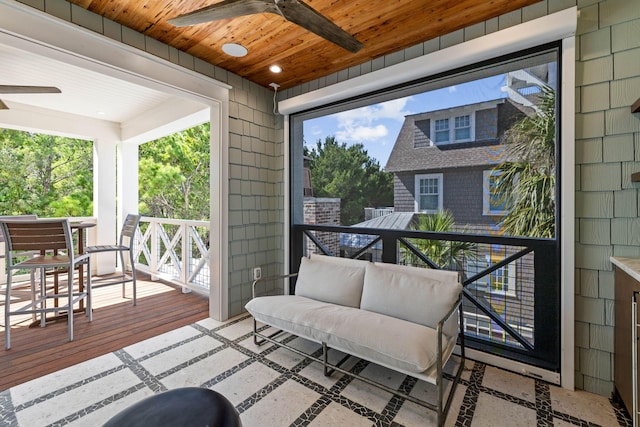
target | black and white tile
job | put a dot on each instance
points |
(271, 386)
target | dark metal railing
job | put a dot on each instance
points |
(511, 285)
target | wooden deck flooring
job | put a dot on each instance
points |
(37, 351)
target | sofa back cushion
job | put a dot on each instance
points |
(418, 295)
(331, 279)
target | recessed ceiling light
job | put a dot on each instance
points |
(234, 49)
(275, 69)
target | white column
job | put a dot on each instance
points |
(127, 180)
(104, 201)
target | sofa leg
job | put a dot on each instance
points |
(325, 359)
(255, 334)
(258, 342)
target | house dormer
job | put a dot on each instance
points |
(443, 160)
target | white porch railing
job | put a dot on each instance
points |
(370, 213)
(175, 250)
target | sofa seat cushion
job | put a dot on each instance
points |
(372, 336)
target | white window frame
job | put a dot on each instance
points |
(475, 323)
(484, 284)
(451, 118)
(486, 194)
(509, 271)
(455, 128)
(417, 193)
(436, 130)
(556, 26)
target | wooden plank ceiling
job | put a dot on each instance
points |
(383, 26)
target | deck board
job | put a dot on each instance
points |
(36, 351)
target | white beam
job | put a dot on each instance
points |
(165, 119)
(40, 120)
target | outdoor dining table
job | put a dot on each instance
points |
(80, 227)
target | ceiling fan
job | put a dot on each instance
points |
(10, 89)
(292, 10)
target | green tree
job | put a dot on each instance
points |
(47, 175)
(446, 254)
(174, 175)
(350, 174)
(527, 178)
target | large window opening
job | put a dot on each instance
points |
(174, 187)
(469, 159)
(489, 132)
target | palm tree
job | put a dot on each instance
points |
(445, 254)
(527, 178)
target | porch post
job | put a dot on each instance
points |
(127, 180)
(104, 200)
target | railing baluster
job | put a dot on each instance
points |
(186, 257)
(154, 246)
(181, 272)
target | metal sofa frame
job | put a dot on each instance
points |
(441, 407)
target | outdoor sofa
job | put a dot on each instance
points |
(400, 317)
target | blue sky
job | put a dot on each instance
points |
(377, 126)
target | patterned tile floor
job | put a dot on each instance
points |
(271, 386)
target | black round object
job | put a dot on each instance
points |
(188, 406)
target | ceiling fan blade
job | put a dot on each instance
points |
(224, 10)
(28, 89)
(308, 18)
(3, 106)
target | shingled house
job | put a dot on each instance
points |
(443, 160)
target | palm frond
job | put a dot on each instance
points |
(527, 177)
(446, 254)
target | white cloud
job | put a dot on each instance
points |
(363, 124)
(362, 133)
(316, 131)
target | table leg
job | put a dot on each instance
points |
(81, 269)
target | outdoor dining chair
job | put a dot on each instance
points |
(125, 244)
(51, 245)
(2, 257)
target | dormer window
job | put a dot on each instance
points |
(463, 128)
(453, 129)
(442, 131)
